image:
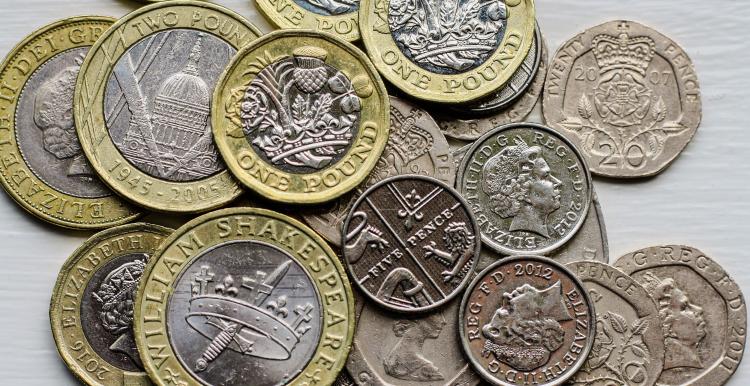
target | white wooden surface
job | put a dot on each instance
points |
(702, 200)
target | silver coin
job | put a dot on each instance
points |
(415, 146)
(392, 349)
(237, 279)
(528, 187)
(629, 348)
(165, 83)
(702, 310)
(626, 95)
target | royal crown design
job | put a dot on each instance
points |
(623, 51)
(408, 140)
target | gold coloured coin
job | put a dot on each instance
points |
(450, 51)
(91, 312)
(43, 167)
(337, 17)
(143, 104)
(300, 116)
(244, 296)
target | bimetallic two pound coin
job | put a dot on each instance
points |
(626, 95)
(301, 116)
(143, 104)
(44, 169)
(337, 17)
(92, 305)
(411, 243)
(244, 296)
(450, 51)
(528, 187)
(526, 320)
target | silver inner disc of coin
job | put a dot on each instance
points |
(329, 7)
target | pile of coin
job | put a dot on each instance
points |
(399, 223)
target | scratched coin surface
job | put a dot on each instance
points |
(44, 169)
(337, 17)
(411, 243)
(91, 311)
(415, 146)
(626, 95)
(526, 320)
(528, 187)
(244, 296)
(301, 116)
(447, 51)
(143, 104)
(702, 313)
(629, 348)
(392, 349)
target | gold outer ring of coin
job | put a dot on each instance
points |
(22, 184)
(200, 235)
(65, 306)
(468, 86)
(118, 173)
(270, 181)
(292, 16)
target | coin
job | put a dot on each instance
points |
(415, 146)
(244, 296)
(517, 107)
(703, 313)
(526, 320)
(44, 169)
(528, 187)
(392, 349)
(626, 95)
(337, 17)
(142, 104)
(301, 117)
(449, 51)
(629, 348)
(344, 379)
(410, 243)
(91, 311)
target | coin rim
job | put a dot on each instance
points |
(311, 19)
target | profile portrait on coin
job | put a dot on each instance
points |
(406, 359)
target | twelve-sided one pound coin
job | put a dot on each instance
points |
(337, 17)
(92, 305)
(143, 104)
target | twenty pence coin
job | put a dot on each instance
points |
(450, 51)
(143, 103)
(626, 95)
(336, 17)
(244, 296)
(301, 116)
(91, 311)
(44, 169)
(629, 347)
(703, 313)
(526, 320)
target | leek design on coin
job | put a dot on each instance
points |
(45, 170)
(92, 305)
(300, 117)
(143, 104)
(703, 316)
(254, 298)
(411, 243)
(526, 320)
(415, 146)
(447, 51)
(337, 17)
(629, 348)
(528, 187)
(627, 95)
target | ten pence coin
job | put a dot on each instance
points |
(526, 320)
(411, 243)
(301, 116)
(91, 311)
(336, 17)
(703, 313)
(44, 169)
(629, 348)
(244, 296)
(626, 95)
(447, 51)
(143, 104)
